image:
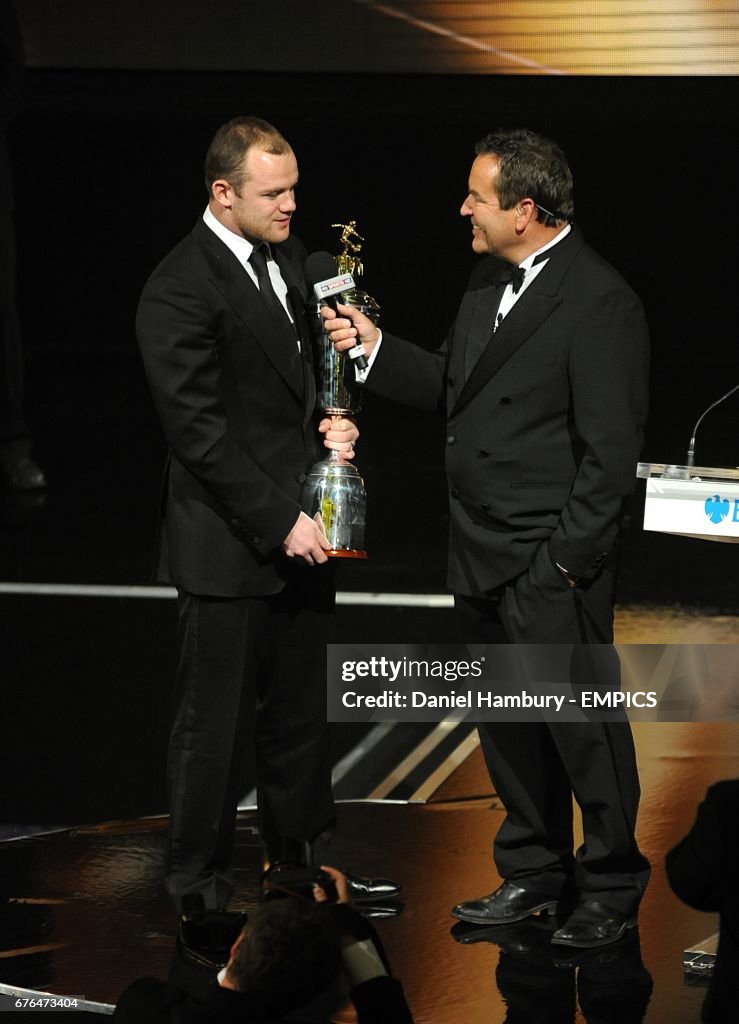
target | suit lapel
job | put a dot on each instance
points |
(293, 277)
(477, 316)
(238, 289)
(536, 304)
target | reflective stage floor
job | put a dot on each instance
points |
(84, 912)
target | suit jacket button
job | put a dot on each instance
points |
(450, 381)
(451, 439)
(454, 492)
(505, 401)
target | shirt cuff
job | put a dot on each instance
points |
(361, 375)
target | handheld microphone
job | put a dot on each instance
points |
(328, 288)
(690, 460)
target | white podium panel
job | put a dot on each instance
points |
(695, 501)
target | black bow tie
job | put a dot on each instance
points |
(515, 276)
(512, 275)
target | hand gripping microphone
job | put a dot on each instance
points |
(329, 288)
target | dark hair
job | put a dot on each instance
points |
(534, 167)
(225, 156)
(290, 953)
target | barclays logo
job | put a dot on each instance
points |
(717, 509)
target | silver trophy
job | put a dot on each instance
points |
(334, 490)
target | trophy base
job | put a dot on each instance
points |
(333, 495)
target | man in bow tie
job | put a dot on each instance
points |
(225, 343)
(544, 377)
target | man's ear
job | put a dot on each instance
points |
(222, 192)
(227, 983)
(237, 943)
(525, 212)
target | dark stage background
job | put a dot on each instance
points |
(108, 178)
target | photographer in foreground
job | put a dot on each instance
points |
(291, 953)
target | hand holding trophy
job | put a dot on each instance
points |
(334, 490)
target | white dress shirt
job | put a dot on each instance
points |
(510, 298)
(242, 249)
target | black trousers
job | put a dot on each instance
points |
(248, 666)
(537, 767)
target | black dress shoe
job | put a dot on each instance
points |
(605, 957)
(593, 924)
(507, 904)
(375, 889)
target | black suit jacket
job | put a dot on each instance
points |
(703, 870)
(544, 435)
(236, 399)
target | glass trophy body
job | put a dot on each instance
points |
(334, 490)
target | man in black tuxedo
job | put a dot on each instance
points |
(226, 349)
(544, 378)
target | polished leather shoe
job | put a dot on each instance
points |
(375, 889)
(625, 950)
(593, 924)
(507, 904)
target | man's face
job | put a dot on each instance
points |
(264, 204)
(493, 229)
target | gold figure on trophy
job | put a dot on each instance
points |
(346, 261)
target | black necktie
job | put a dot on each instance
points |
(258, 260)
